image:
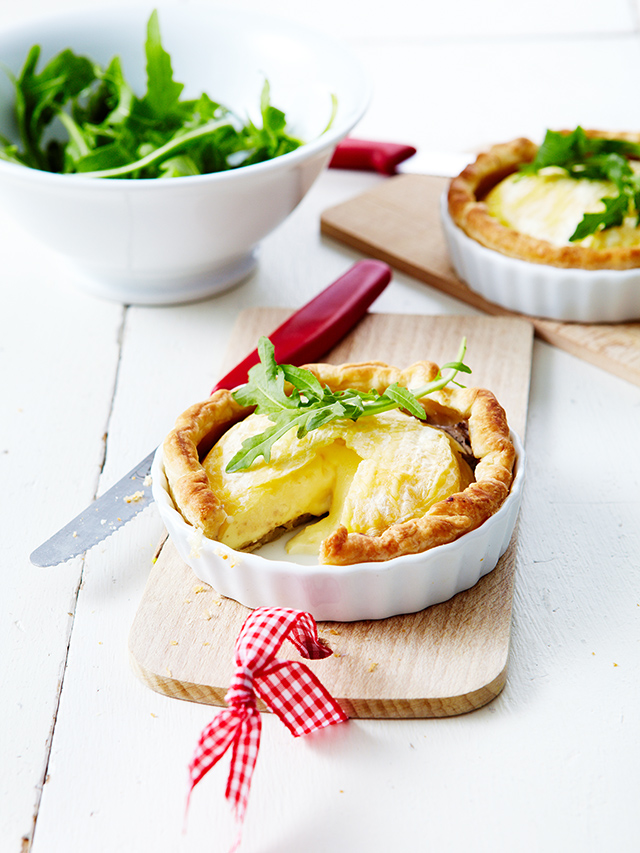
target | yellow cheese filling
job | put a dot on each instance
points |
(549, 205)
(365, 475)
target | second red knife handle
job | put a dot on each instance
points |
(365, 155)
(320, 324)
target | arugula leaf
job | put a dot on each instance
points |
(155, 156)
(178, 167)
(303, 380)
(265, 388)
(599, 160)
(615, 210)
(163, 92)
(107, 158)
(39, 97)
(404, 399)
(558, 149)
(577, 150)
(310, 405)
(9, 152)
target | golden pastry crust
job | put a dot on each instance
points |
(469, 212)
(445, 521)
(194, 433)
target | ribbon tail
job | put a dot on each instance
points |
(240, 727)
(243, 762)
(214, 741)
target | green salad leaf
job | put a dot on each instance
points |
(310, 405)
(581, 156)
(75, 116)
(163, 93)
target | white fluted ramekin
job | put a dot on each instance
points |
(539, 290)
(407, 584)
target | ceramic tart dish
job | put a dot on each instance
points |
(410, 564)
(508, 238)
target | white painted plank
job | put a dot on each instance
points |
(58, 356)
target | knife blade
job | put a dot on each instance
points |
(392, 158)
(307, 335)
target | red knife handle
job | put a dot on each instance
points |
(321, 323)
(368, 156)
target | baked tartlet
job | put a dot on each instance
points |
(392, 485)
(512, 236)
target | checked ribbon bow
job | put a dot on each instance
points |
(288, 688)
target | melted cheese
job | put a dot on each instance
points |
(549, 206)
(365, 475)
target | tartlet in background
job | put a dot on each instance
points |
(587, 281)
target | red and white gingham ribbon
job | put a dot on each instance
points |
(288, 688)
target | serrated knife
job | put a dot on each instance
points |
(306, 336)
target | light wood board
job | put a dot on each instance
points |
(399, 222)
(445, 660)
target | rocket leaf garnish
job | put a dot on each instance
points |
(597, 159)
(310, 404)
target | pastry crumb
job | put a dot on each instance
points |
(148, 480)
(199, 589)
(174, 642)
(334, 632)
(134, 498)
(373, 667)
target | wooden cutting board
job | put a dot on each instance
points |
(399, 222)
(445, 660)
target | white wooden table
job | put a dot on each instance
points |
(91, 760)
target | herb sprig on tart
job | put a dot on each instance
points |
(308, 405)
(597, 159)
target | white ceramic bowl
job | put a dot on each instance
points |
(172, 240)
(269, 577)
(568, 295)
